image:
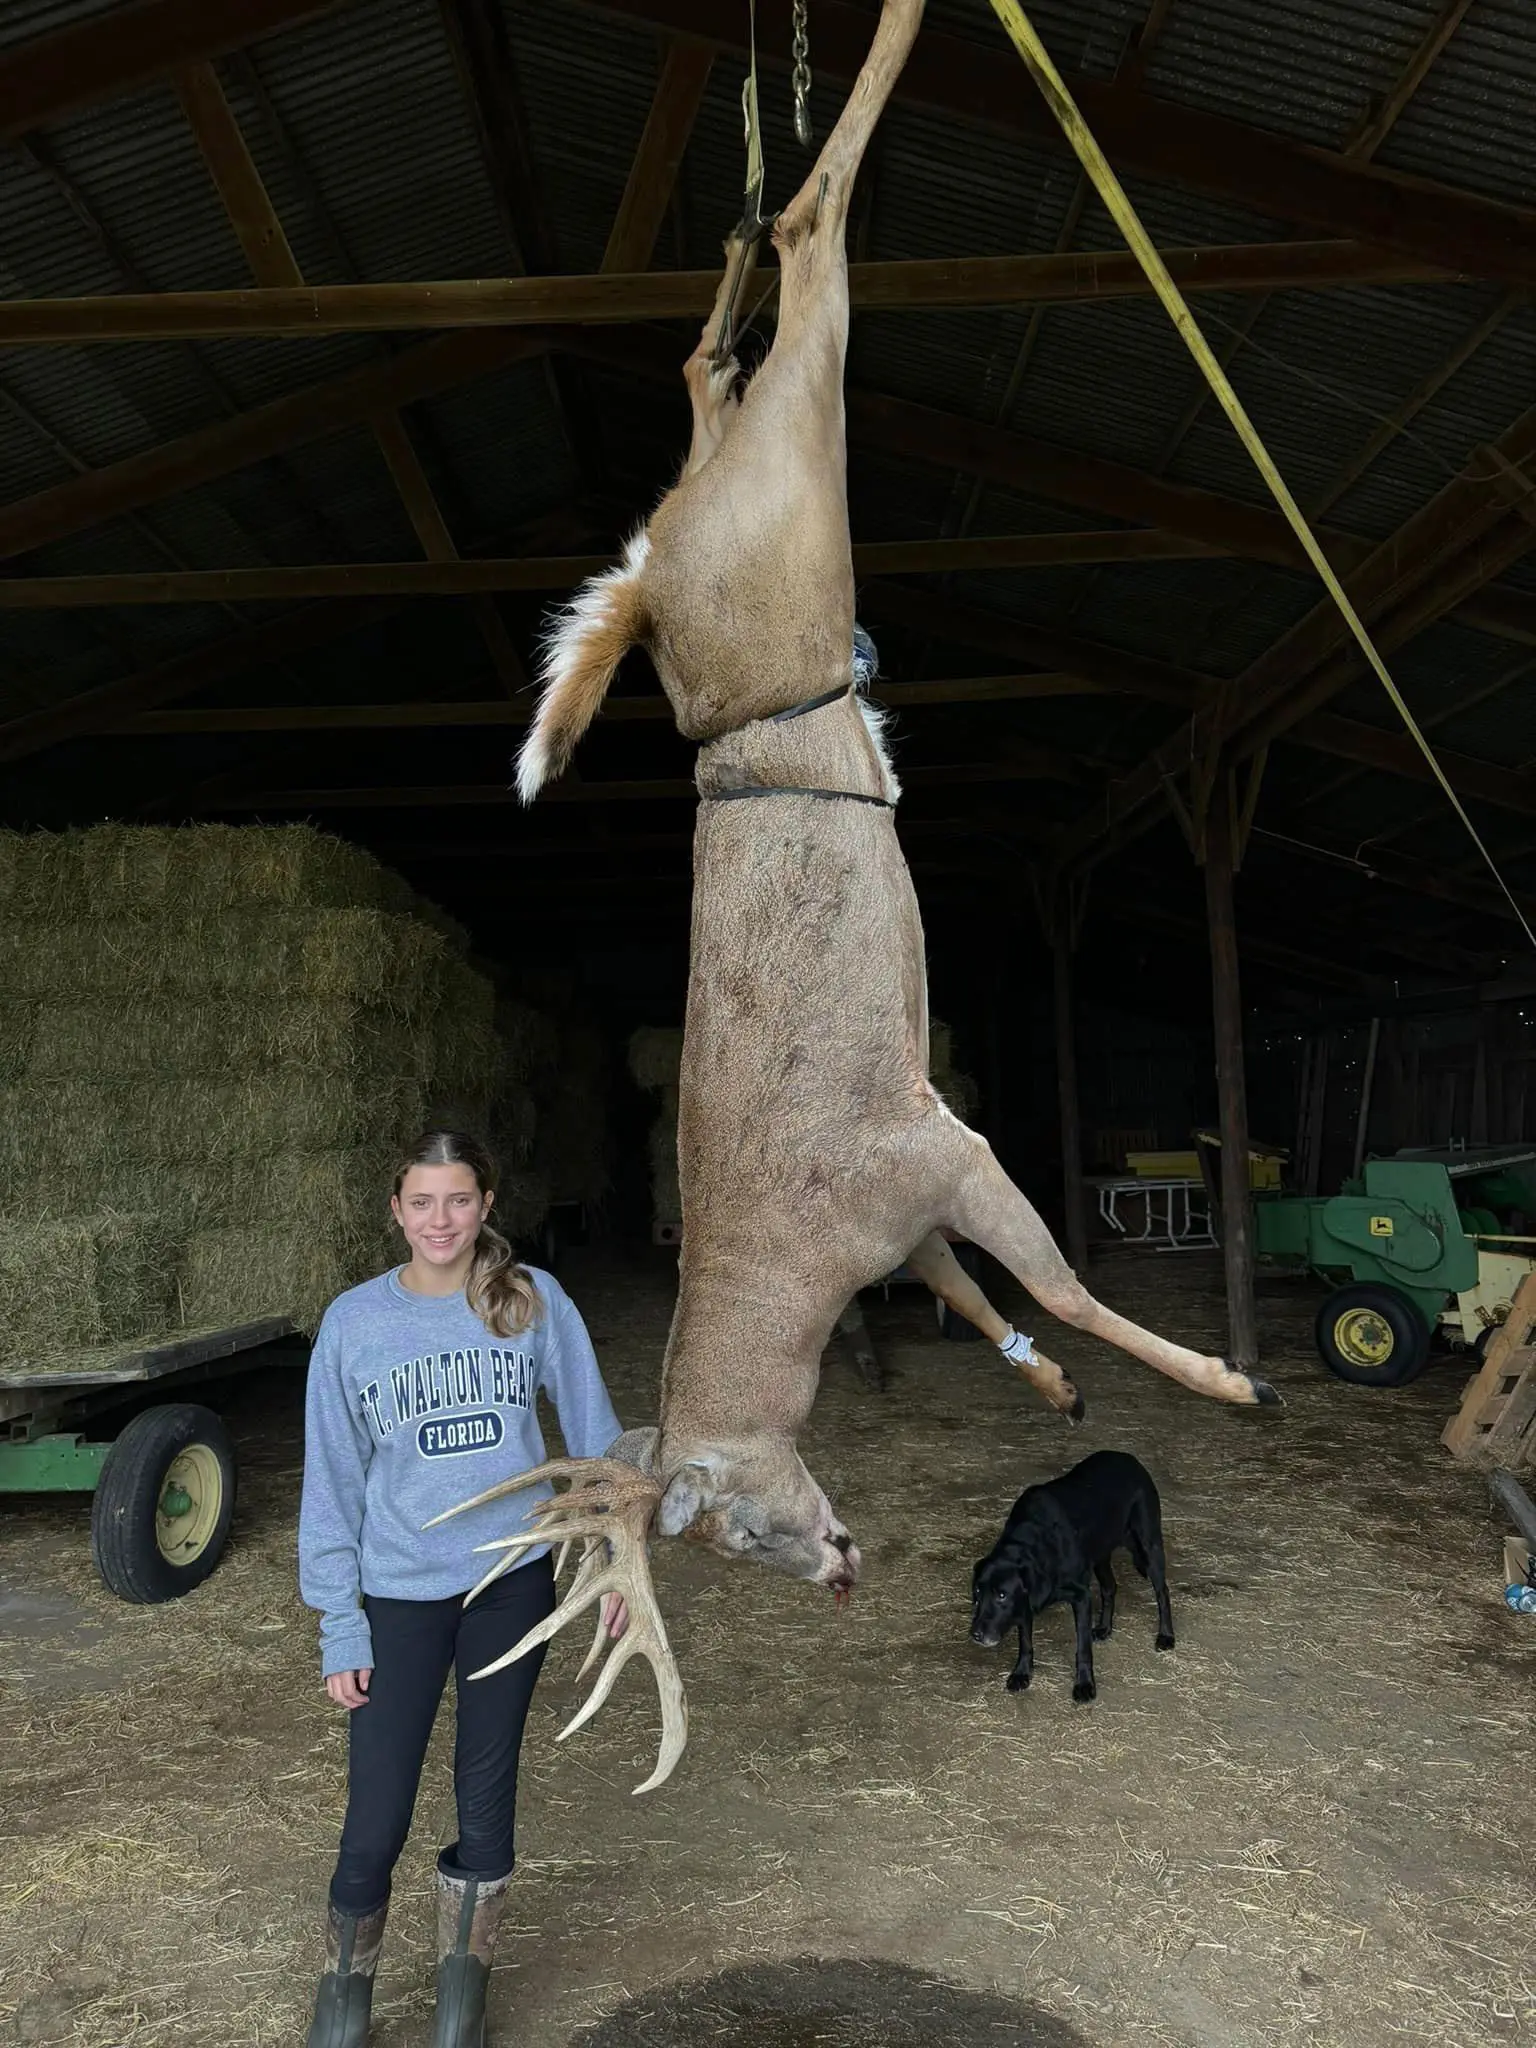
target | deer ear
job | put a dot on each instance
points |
(691, 1490)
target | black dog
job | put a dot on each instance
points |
(1058, 1537)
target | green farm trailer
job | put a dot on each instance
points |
(1423, 1241)
(163, 1481)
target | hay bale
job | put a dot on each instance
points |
(106, 1041)
(275, 1269)
(77, 1127)
(392, 961)
(108, 872)
(85, 1280)
(242, 1026)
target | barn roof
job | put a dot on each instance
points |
(1367, 168)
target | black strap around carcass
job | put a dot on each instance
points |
(826, 796)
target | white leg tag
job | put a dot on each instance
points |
(1018, 1347)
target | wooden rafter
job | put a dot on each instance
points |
(445, 574)
(127, 48)
(1464, 537)
(625, 299)
(259, 229)
(972, 82)
(659, 156)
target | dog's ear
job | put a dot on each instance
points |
(976, 1571)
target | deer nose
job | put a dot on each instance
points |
(842, 1541)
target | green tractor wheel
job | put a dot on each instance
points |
(1372, 1336)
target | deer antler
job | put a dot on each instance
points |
(608, 1508)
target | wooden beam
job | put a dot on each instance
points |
(619, 299)
(1382, 118)
(1020, 764)
(128, 48)
(1416, 878)
(234, 173)
(978, 83)
(309, 415)
(1393, 752)
(426, 517)
(658, 159)
(482, 55)
(1073, 1187)
(259, 230)
(1462, 538)
(447, 575)
(1231, 1080)
(493, 711)
(898, 426)
(253, 648)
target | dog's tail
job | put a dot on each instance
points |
(581, 654)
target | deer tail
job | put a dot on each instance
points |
(582, 652)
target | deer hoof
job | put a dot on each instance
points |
(1264, 1395)
(1078, 1409)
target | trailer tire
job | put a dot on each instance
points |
(163, 1505)
(1372, 1336)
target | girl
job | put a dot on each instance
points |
(421, 1394)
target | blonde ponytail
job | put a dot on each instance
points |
(499, 1290)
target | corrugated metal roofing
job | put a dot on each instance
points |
(375, 171)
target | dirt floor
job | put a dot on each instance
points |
(1307, 1824)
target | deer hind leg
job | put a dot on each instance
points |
(935, 1263)
(712, 373)
(986, 1205)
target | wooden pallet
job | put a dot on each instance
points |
(1493, 1425)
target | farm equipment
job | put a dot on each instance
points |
(164, 1485)
(1423, 1241)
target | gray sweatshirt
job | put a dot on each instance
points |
(412, 1407)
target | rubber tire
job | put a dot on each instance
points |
(956, 1329)
(123, 1545)
(1410, 1336)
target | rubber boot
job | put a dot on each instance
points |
(344, 2002)
(469, 1913)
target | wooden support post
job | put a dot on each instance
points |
(1073, 1190)
(1231, 1082)
(1367, 1082)
(1061, 913)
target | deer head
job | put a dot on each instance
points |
(752, 1498)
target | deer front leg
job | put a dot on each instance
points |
(984, 1203)
(936, 1264)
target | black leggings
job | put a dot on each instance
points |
(414, 1644)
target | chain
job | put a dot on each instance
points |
(801, 47)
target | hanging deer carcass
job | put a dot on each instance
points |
(813, 1153)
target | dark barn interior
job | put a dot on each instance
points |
(340, 340)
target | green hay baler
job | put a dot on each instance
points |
(1423, 1240)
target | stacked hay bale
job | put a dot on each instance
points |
(655, 1061)
(213, 1041)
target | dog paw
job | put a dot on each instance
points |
(1084, 1691)
(1018, 1681)
(1101, 1633)
(1163, 1643)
